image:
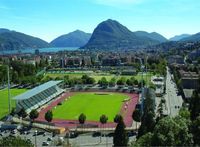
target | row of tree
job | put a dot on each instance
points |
(122, 81)
(103, 82)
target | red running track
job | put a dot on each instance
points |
(126, 113)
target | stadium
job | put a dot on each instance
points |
(67, 105)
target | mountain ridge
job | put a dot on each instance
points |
(76, 38)
(192, 38)
(110, 34)
(12, 40)
(152, 35)
(179, 37)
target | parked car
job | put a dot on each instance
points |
(73, 134)
(45, 143)
(49, 139)
(96, 134)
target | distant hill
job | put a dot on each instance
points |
(2, 30)
(179, 37)
(193, 38)
(11, 40)
(74, 39)
(153, 35)
(110, 34)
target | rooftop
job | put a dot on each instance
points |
(36, 90)
(190, 75)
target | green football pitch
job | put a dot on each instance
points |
(93, 105)
(4, 100)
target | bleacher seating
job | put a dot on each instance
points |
(46, 92)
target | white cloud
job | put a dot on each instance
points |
(117, 3)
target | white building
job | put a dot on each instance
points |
(159, 82)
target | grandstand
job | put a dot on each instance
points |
(38, 96)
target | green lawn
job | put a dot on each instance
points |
(4, 100)
(91, 104)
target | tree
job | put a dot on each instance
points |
(195, 105)
(87, 80)
(33, 114)
(183, 112)
(22, 113)
(103, 82)
(135, 82)
(148, 117)
(81, 119)
(121, 81)
(144, 140)
(196, 131)
(130, 82)
(90, 80)
(112, 82)
(148, 123)
(172, 132)
(103, 119)
(48, 116)
(160, 108)
(15, 141)
(120, 136)
(168, 132)
(118, 118)
(137, 116)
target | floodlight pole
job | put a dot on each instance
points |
(9, 100)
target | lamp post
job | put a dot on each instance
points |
(35, 138)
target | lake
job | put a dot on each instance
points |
(42, 50)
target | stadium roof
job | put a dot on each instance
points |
(36, 90)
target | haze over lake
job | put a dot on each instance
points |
(42, 50)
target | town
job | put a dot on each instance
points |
(170, 81)
(105, 73)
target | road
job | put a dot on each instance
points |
(173, 101)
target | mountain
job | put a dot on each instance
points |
(11, 40)
(110, 34)
(193, 38)
(74, 39)
(2, 30)
(153, 35)
(179, 37)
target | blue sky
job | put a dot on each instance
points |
(48, 19)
